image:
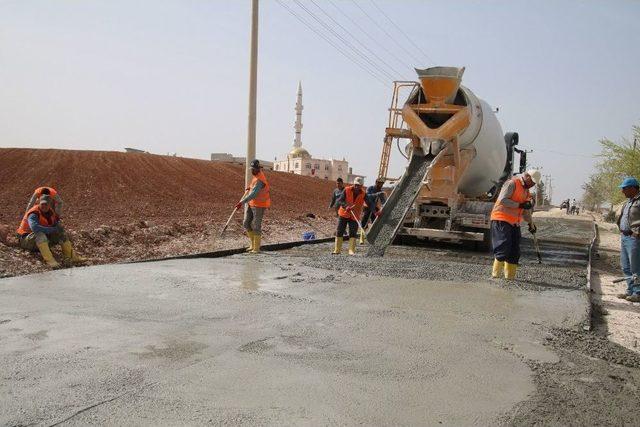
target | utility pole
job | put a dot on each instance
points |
(253, 80)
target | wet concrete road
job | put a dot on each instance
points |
(266, 340)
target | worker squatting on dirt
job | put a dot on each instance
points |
(41, 227)
(374, 199)
(57, 203)
(258, 199)
(512, 206)
(629, 225)
(350, 208)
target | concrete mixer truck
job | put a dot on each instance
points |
(458, 160)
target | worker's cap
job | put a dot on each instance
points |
(44, 199)
(358, 181)
(379, 180)
(535, 175)
(629, 182)
(255, 164)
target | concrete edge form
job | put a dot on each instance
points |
(229, 252)
(588, 289)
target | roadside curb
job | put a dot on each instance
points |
(229, 252)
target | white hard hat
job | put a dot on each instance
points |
(535, 175)
(358, 181)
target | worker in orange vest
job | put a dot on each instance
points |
(57, 203)
(350, 209)
(258, 199)
(41, 227)
(512, 206)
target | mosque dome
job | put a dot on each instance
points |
(299, 152)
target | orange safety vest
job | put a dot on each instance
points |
(504, 213)
(42, 219)
(356, 202)
(52, 192)
(263, 198)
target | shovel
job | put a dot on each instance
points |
(228, 221)
(535, 244)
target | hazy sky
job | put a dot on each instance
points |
(172, 76)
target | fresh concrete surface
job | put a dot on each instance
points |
(264, 340)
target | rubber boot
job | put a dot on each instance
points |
(362, 237)
(510, 271)
(70, 255)
(47, 255)
(257, 238)
(352, 246)
(337, 248)
(250, 235)
(498, 267)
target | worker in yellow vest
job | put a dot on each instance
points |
(258, 200)
(512, 206)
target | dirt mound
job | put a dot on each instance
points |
(128, 206)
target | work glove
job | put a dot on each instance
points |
(627, 233)
(377, 213)
(526, 205)
(239, 205)
(349, 208)
(532, 228)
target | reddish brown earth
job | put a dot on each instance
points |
(127, 206)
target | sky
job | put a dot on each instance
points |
(172, 76)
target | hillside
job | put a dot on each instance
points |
(184, 202)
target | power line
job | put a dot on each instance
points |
(401, 31)
(344, 41)
(398, 73)
(415, 58)
(372, 38)
(343, 53)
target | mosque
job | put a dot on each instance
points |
(300, 162)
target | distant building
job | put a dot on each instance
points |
(300, 162)
(230, 158)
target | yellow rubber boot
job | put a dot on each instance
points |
(257, 240)
(352, 246)
(69, 254)
(498, 267)
(362, 237)
(47, 256)
(337, 248)
(250, 235)
(510, 271)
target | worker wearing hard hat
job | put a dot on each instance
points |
(350, 208)
(258, 199)
(374, 199)
(512, 206)
(629, 225)
(56, 200)
(41, 227)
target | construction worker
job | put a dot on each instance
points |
(258, 199)
(41, 227)
(512, 206)
(51, 192)
(629, 225)
(371, 210)
(337, 192)
(350, 208)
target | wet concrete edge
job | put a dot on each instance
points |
(589, 325)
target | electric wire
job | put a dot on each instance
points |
(372, 38)
(328, 40)
(343, 40)
(402, 32)
(381, 28)
(364, 46)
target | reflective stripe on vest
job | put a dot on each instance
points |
(263, 198)
(42, 220)
(511, 215)
(356, 202)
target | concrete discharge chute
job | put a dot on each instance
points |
(458, 160)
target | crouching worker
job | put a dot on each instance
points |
(258, 199)
(512, 206)
(41, 227)
(350, 208)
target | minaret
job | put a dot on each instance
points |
(297, 143)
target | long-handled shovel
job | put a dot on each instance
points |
(360, 229)
(535, 244)
(228, 221)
